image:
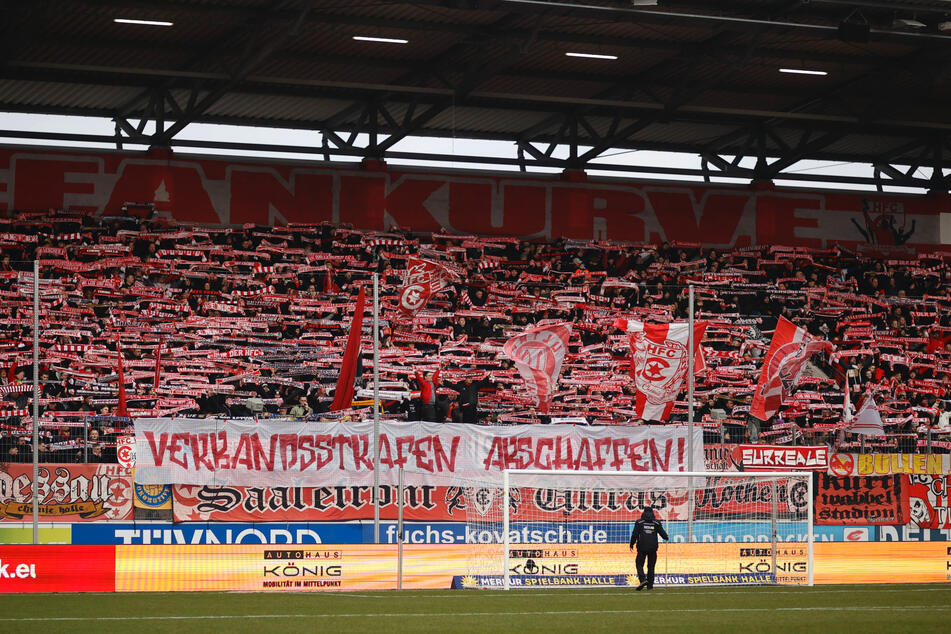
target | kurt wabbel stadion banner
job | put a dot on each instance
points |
(298, 454)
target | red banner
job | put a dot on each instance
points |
(733, 498)
(788, 353)
(421, 503)
(929, 500)
(57, 568)
(781, 457)
(68, 492)
(236, 192)
(724, 498)
(861, 500)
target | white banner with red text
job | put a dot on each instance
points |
(213, 452)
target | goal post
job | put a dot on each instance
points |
(538, 528)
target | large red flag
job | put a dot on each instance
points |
(421, 280)
(158, 367)
(343, 396)
(121, 409)
(659, 363)
(785, 360)
(538, 354)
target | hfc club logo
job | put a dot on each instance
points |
(661, 367)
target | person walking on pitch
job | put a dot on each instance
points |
(645, 535)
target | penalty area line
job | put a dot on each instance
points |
(857, 608)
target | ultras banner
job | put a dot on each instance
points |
(420, 503)
(290, 453)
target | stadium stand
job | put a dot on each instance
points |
(252, 321)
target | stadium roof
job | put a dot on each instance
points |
(675, 75)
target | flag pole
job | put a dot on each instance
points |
(376, 408)
(690, 381)
(36, 400)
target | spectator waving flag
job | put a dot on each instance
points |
(659, 363)
(422, 280)
(538, 354)
(785, 360)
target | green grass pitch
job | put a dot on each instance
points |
(898, 608)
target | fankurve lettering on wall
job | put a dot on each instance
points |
(237, 192)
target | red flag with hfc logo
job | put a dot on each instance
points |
(659, 363)
(538, 354)
(421, 280)
(785, 360)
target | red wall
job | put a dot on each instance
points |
(236, 192)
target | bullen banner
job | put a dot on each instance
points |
(857, 464)
(297, 454)
(67, 492)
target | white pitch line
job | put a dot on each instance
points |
(878, 608)
(678, 591)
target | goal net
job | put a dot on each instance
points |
(537, 528)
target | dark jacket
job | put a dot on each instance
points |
(646, 531)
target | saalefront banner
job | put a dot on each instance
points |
(722, 498)
(300, 454)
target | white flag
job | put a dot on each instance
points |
(538, 354)
(868, 422)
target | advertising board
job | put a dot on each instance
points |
(23, 534)
(57, 569)
(261, 568)
(283, 568)
(274, 533)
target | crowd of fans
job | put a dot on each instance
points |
(252, 322)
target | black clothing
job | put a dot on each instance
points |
(469, 400)
(651, 557)
(645, 535)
